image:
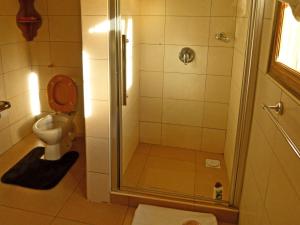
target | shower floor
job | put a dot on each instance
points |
(174, 170)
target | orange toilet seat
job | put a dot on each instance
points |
(62, 94)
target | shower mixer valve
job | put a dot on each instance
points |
(186, 55)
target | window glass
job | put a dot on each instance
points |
(289, 52)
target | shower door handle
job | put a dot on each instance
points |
(123, 69)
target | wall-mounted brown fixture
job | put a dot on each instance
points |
(28, 19)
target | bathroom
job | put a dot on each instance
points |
(167, 102)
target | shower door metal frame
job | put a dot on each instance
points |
(246, 101)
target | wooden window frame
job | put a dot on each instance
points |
(284, 75)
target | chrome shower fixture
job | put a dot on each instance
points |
(222, 37)
(186, 55)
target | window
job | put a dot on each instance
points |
(285, 57)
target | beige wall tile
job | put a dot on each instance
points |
(151, 84)
(222, 24)
(9, 31)
(194, 8)
(98, 187)
(219, 61)
(269, 9)
(43, 32)
(182, 112)
(259, 157)
(97, 124)
(184, 86)
(251, 203)
(241, 34)
(14, 56)
(185, 30)
(95, 37)
(281, 199)
(173, 64)
(9, 7)
(213, 140)
(94, 7)
(97, 153)
(150, 133)
(98, 79)
(16, 82)
(152, 7)
(150, 109)
(237, 69)
(21, 128)
(65, 28)
(40, 53)
(41, 6)
(223, 8)
(152, 57)
(21, 107)
(265, 48)
(6, 142)
(66, 54)
(66, 7)
(181, 136)
(217, 89)
(152, 29)
(215, 115)
(130, 7)
(243, 8)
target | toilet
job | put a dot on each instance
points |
(56, 129)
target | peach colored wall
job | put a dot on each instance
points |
(271, 193)
(57, 49)
(95, 28)
(16, 122)
(185, 105)
(240, 44)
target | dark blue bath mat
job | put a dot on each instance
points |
(33, 172)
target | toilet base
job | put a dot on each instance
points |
(54, 152)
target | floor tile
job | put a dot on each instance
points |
(168, 175)
(207, 177)
(80, 209)
(9, 216)
(42, 201)
(129, 216)
(175, 170)
(59, 221)
(173, 153)
(134, 170)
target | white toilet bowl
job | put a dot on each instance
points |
(56, 130)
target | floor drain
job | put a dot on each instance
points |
(212, 163)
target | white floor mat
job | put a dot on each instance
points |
(153, 215)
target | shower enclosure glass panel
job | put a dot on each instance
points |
(176, 62)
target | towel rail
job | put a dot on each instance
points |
(282, 131)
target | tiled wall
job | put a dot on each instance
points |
(185, 105)
(57, 49)
(16, 122)
(95, 28)
(271, 193)
(240, 44)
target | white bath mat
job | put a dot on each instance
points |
(154, 215)
(213, 163)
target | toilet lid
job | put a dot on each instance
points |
(62, 94)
